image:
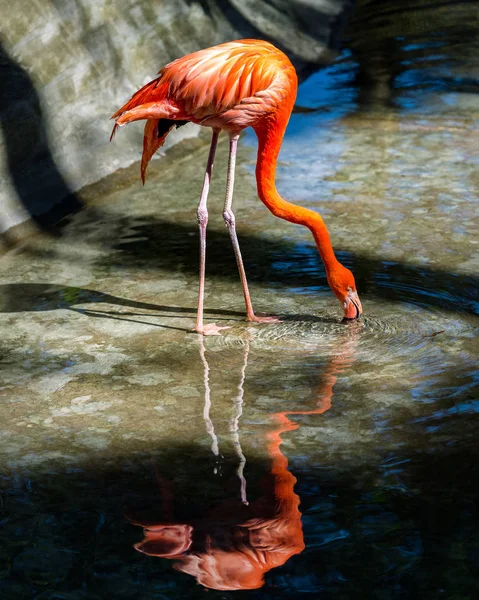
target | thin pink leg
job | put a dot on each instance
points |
(202, 214)
(230, 222)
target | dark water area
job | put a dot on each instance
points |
(310, 457)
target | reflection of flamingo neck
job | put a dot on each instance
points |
(284, 480)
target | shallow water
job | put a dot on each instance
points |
(308, 456)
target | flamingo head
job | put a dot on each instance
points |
(341, 281)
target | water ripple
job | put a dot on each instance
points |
(411, 333)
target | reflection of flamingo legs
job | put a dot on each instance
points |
(234, 422)
(206, 411)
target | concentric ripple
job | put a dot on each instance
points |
(402, 331)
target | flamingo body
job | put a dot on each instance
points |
(229, 87)
(245, 83)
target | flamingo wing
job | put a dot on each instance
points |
(229, 86)
(215, 80)
(212, 81)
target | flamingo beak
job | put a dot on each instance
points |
(352, 305)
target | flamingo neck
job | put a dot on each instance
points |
(270, 136)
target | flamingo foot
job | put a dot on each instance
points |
(210, 329)
(258, 319)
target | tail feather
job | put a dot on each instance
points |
(152, 141)
(150, 103)
(154, 91)
(154, 137)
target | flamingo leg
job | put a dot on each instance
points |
(202, 215)
(230, 222)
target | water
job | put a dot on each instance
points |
(307, 457)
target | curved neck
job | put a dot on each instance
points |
(270, 135)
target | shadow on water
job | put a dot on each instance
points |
(156, 245)
(396, 524)
(36, 178)
(150, 244)
(36, 297)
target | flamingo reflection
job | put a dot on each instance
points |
(237, 542)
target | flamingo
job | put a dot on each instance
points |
(245, 83)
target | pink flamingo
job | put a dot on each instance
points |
(246, 83)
